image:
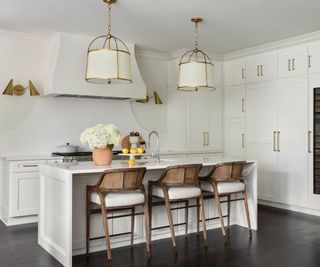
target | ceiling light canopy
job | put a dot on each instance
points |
(108, 58)
(196, 68)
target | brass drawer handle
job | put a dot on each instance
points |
(261, 70)
(289, 64)
(243, 145)
(278, 141)
(204, 139)
(258, 71)
(242, 105)
(309, 61)
(242, 73)
(274, 141)
(207, 138)
(293, 68)
(309, 142)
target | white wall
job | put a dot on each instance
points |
(33, 125)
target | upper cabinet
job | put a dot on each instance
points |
(314, 58)
(261, 67)
(234, 72)
(293, 61)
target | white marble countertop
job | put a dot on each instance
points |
(150, 164)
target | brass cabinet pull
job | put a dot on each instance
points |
(293, 68)
(261, 70)
(243, 145)
(204, 139)
(258, 70)
(289, 64)
(242, 73)
(309, 142)
(207, 138)
(242, 105)
(309, 61)
(274, 141)
(278, 142)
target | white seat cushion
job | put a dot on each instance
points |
(120, 199)
(178, 192)
(224, 187)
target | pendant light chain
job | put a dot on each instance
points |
(196, 36)
(109, 18)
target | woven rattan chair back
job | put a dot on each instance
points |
(229, 171)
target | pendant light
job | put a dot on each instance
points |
(195, 67)
(108, 58)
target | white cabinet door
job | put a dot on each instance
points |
(234, 138)
(314, 58)
(293, 61)
(234, 72)
(217, 73)
(261, 122)
(292, 140)
(25, 194)
(214, 128)
(234, 101)
(197, 120)
(262, 67)
(176, 108)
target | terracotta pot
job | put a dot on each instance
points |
(102, 156)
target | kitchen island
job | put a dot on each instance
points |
(62, 211)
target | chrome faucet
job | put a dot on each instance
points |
(157, 155)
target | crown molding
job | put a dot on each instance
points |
(24, 36)
(301, 39)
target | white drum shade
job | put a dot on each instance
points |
(107, 65)
(196, 75)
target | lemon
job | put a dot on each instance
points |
(131, 162)
(140, 150)
(125, 151)
(133, 151)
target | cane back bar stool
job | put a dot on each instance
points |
(117, 190)
(177, 184)
(224, 180)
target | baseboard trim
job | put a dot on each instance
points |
(289, 207)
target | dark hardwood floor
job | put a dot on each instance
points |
(284, 239)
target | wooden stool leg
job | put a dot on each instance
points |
(186, 215)
(106, 227)
(198, 216)
(147, 229)
(229, 204)
(218, 205)
(203, 219)
(150, 209)
(132, 225)
(167, 203)
(87, 221)
(247, 212)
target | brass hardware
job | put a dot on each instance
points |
(243, 145)
(157, 99)
(207, 138)
(289, 64)
(274, 141)
(196, 19)
(309, 61)
(278, 142)
(242, 105)
(261, 70)
(109, 2)
(309, 142)
(204, 139)
(258, 71)
(19, 90)
(293, 68)
(242, 73)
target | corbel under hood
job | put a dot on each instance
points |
(65, 75)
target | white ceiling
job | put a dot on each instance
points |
(164, 25)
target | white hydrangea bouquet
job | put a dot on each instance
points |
(101, 136)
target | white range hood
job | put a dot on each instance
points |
(65, 75)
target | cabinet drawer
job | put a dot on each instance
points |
(26, 166)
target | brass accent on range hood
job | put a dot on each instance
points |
(157, 99)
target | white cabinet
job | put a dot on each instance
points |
(314, 58)
(292, 140)
(261, 67)
(261, 122)
(234, 138)
(234, 101)
(234, 72)
(204, 121)
(293, 61)
(176, 118)
(21, 186)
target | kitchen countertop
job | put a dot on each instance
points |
(150, 164)
(29, 157)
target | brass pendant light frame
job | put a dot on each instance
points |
(200, 57)
(110, 43)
